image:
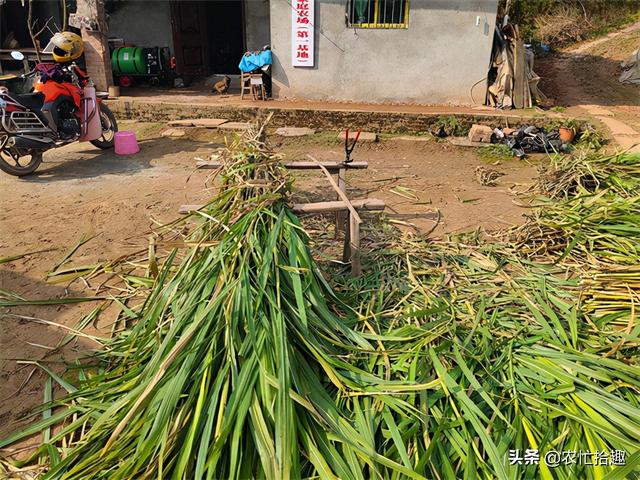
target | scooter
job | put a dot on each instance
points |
(63, 108)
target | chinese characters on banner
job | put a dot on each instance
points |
(302, 38)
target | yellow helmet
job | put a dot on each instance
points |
(67, 46)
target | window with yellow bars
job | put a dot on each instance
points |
(378, 13)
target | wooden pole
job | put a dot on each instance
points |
(371, 204)
(340, 193)
(340, 216)
(352, 241)
(65, 16)
(331, 166)
(346, 248)
(30, 28)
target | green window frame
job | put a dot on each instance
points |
(378, 13)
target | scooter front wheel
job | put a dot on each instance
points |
(109, 128)
(19, 162)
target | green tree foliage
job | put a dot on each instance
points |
(588, 17)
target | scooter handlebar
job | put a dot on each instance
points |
(28, 74)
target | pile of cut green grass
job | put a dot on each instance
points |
(235, 362)
(448, 359)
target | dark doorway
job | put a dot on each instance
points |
(226, 35)
(208, 36)
(14, 33)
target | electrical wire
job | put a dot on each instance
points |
(474, 86)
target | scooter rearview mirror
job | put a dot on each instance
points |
(17, 55)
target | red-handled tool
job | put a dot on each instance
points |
(349, 148)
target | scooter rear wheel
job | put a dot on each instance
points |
(109, 128)
(19, 162)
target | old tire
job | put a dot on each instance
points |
(109, 128)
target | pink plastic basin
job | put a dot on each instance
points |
(126, 143)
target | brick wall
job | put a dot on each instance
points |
(381, 122)
(96, 54)
(90, 17)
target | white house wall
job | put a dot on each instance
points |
(256, 20)
(443, 53)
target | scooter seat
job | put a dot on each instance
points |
(33, 101)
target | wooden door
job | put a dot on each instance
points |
(188, 21)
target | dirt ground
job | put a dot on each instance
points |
(80, 191)
(584, 77)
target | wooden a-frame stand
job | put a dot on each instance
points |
(347, 217)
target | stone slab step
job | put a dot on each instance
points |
(198, 122)
(465, 142)
(617, 127)
(409, 138)
(364, 136)
(173, 132)
(234, 126)
(294, 131)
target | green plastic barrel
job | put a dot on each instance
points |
(129, 61)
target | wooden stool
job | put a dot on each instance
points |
(245, 84)
(258, 91)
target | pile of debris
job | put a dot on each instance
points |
(631, 69)
(512, 83)
(530, 139)
(526, 139)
